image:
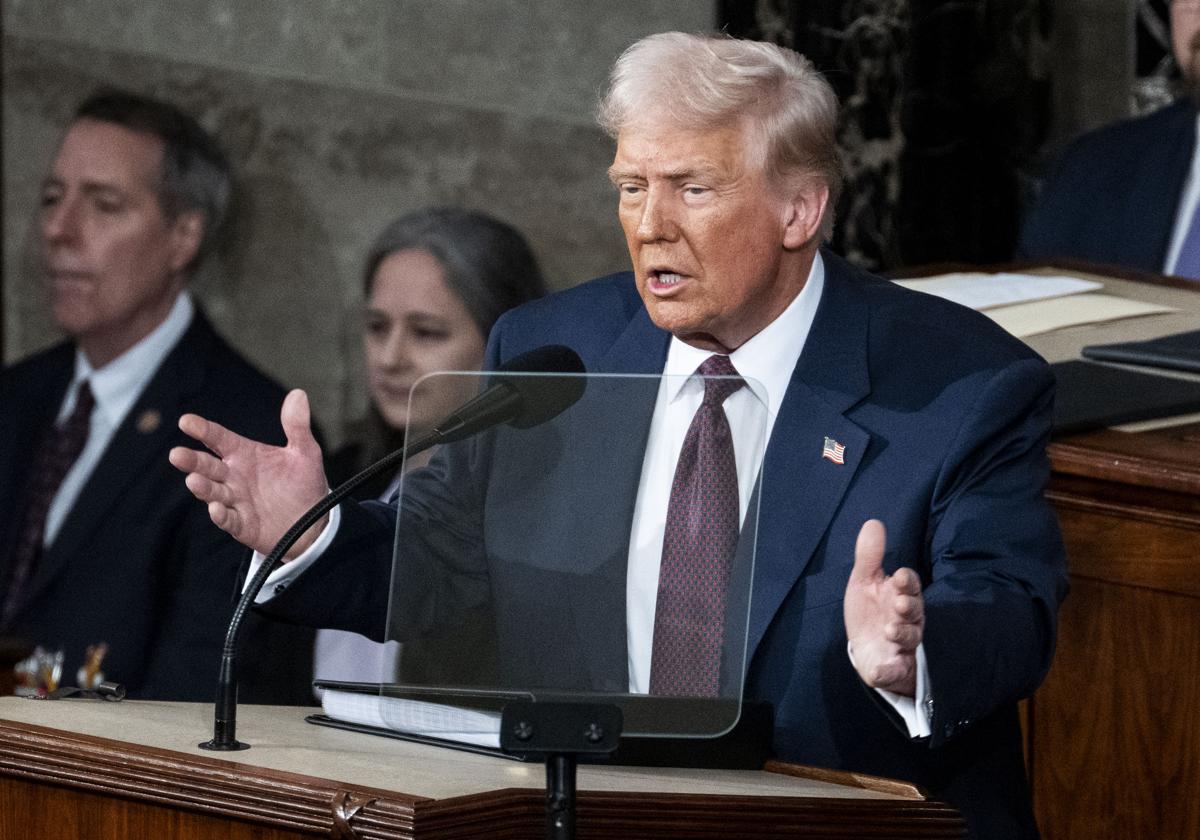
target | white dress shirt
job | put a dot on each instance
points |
(766, 362)
(1187, 208)
(116, 387)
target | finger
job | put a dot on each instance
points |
(207, 490)
(212, 434)
(193, 461)
(907, 581)
(296, 418)
(909, 608)
(906, 636)
(868, 552)
(225, 518)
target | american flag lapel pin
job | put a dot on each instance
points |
(833, 451)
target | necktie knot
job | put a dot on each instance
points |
(717, 390)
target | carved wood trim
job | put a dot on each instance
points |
(177, 780)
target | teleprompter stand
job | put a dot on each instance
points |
(561, 732)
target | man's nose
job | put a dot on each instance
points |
(657, 222)
(60, 221)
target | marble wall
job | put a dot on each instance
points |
(953, 110)
(338, 117)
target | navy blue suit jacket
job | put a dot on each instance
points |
(1114, 195)
(137, 563)
(944, 418)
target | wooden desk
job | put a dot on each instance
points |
(131, 770)
(1113, 735)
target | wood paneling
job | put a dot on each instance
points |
(1114, 733)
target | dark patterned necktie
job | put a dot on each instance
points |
(57, 452)
(698, 547)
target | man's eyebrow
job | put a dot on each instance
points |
(617, 174)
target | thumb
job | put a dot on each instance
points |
(296, 419)
(868, 552)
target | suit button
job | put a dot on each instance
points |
(279, 587)
(948, 729)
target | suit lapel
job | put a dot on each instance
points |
(21, 429)
(801, 490)
(136, 448)
(1149, 217)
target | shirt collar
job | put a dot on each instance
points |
(118, 384)
(768, 359)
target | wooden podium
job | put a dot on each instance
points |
(131, 770)
(1113, 735)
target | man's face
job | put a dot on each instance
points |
(114, 263)
(1185, 38)
(706, 233)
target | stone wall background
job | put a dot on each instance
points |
(338, 117)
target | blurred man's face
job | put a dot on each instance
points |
(114, 263)
(706, 233)
(1185, 37)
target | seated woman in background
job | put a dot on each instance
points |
(435, 280)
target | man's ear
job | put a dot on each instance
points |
(803, 212)
(187, 232)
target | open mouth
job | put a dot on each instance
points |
(662, 281)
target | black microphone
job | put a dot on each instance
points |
(515, 395)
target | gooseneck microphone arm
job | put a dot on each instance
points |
(521, 402)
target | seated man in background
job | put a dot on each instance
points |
(1126, 194)
(902, 655)
(99, 546)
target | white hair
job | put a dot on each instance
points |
(701, 82)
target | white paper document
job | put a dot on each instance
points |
(418, 717)
(985, 291)
(1026, 319)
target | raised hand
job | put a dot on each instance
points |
(255, 492)
(885, 616)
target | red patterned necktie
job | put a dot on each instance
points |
(56, 454)
(698, 547)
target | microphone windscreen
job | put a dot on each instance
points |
(544, 397)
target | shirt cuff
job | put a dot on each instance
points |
(916, 712)
(283, 575)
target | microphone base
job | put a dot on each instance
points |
(223, 746)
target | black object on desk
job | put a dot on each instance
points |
(1093, 396)
(1174, 352)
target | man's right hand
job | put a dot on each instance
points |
(255, 492)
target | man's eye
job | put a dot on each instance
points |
(425, 334)
(694, 190)
(50, 199)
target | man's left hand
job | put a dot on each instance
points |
(885, 616)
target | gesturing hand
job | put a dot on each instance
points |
(256, 491)
(885, 616)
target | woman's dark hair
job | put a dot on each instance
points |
(487, 263)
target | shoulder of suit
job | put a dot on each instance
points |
(907, 321)
(1131, 137)
(607, 303)
(44, 365)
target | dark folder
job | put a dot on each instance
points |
(1093, 396)
(1176, 352)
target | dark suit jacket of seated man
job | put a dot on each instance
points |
(1117, 196)
(1114, 196)
(128, 209)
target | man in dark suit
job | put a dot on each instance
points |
(901, 654)
(1125, 194)
(99, 546)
